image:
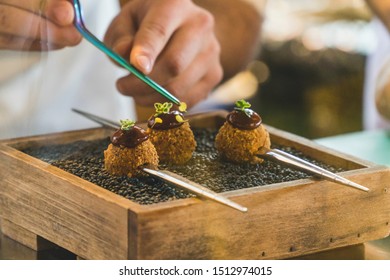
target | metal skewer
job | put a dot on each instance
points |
(168, 176)
(293, 161)
(193, 187)
(79, 24)
(97, 119)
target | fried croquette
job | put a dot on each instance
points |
(242, 135)
(171, 134)
(238, 145)
(120, 160)
(175, 145)
(129, 149)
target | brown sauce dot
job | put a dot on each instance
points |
(129, 138)
(240, 120)
(168, 121)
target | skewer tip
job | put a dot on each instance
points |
(360, 187)
(231, 204)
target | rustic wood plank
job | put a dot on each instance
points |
(68, 211)
(284, 221)
(57, 138)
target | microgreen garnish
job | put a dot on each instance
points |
(162, 108)
(242, 105)
(127, 124)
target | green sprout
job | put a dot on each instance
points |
(162, 108)
(127, 124)
(242, 105)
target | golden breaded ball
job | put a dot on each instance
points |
(120, 160)
(175, 145)
(239, 146)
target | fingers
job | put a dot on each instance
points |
(18, 43)
(144, 27)
(156, 28)
(199, 91)
(174, 42)
(119, 35)
(191, 86)
(60, 12)
(182, 49)
(20, 24)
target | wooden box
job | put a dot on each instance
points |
(39, 202)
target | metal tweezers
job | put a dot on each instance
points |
(168, 176)
(79, 24)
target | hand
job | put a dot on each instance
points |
(173, 41)
(37, 25)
